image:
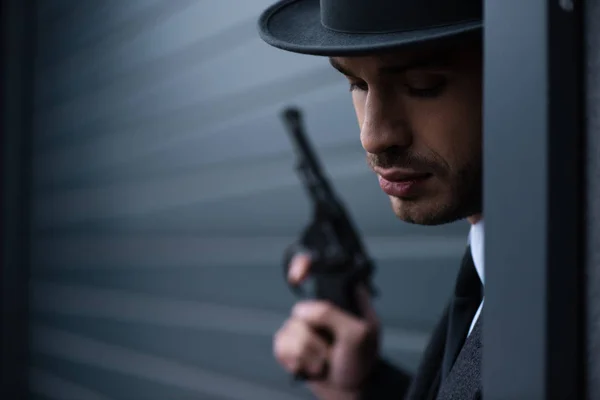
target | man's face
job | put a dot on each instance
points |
(419, 112)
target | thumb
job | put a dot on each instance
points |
(323, 314)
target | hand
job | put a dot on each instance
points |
(299, 348)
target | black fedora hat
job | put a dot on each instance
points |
(352, 27)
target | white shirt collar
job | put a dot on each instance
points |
(476, 242)
(477, 251)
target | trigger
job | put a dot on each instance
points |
(305, 289)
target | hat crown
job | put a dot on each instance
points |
(355, 27)
(385, 16)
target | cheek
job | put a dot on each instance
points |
(465, 136)
(450, 129)
(359, 101)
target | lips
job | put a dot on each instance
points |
(398, 175)
(401, 183)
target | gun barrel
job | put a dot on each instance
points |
(292, 117)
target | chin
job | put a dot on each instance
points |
(424, 212)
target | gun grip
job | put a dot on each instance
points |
(338, 288)
(324, 282)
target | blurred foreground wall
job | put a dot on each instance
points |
(165, 193)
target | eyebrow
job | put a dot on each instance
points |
(437, 61)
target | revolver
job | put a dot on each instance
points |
(339, 262)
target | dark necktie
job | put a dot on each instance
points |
(468, 294)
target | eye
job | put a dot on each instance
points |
(425, 85)
(361, 86)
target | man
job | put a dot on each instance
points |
(414, 69)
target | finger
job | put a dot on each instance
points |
(366, 306)
(298, 348)
(299, 268)
(309, 362)
(328, 392)
(322, 314)
(312, 364)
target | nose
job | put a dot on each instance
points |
(384, 123)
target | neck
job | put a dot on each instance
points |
(475, 218)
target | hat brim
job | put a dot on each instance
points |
(295, 25)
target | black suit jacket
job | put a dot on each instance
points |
(463, 382)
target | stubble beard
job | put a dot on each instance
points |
(464, 200)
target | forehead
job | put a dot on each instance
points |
(437, 55)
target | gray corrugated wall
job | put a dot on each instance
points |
(165, 193)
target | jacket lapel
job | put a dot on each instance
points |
(426, 382)
(464, 380)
